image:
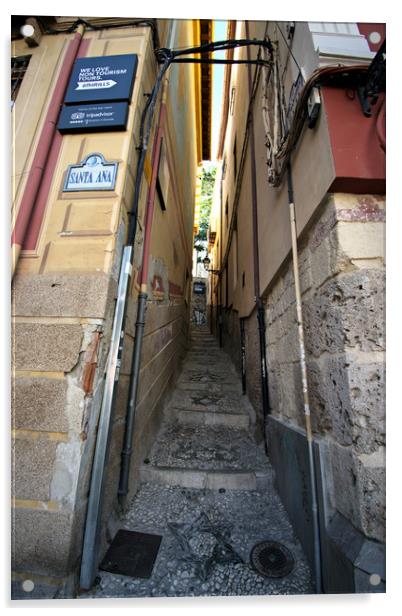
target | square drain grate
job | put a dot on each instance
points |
(132, 554)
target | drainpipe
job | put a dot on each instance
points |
(35, 174)
(141, 309)
(219, 312)
(256, 260)
(243, 356)
(303, 366)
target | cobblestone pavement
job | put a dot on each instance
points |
(207, 534)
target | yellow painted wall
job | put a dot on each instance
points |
(312, 152)
(64, 293)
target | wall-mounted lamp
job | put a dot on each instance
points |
(207, 263)
(31, 32)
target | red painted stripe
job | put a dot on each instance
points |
(36, 219)
(40, 160)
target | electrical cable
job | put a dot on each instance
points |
(289, 48)
(211, 47)
(143, 147)
(135, 22)
(380, 126)
(318, 77)
(167, 57)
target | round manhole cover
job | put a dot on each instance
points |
(272, 559)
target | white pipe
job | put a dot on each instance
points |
(303, 366)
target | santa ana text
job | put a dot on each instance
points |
(88, 177)
(93, 173)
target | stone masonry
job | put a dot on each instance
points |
(343, 292)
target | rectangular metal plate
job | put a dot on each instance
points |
(86, 118)
(132, 554)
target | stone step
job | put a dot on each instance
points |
(209, 386)
(207, 418)
(199, 400)
(211, 374)
(207, 357)
(203, 363)
(207, 369)
(207, 448)
(203, 479)
(204, 408)
(202, 348)
(202, 336)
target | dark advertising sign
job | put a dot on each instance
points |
(104, 78)
(83, 118)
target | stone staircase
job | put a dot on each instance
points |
(203, 479)
(205, 441)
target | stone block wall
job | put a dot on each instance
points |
(343, 293)
(59, 355)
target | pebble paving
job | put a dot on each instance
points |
(207, 535)
(207, 448)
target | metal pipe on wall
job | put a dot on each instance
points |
(219, 311)
(303, 366)
(141, 308)
(143, 295)
(243, 356)
(90, 549)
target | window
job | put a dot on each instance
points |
(18, 69)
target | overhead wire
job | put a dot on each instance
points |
(289, 47)
(166, 57)
(317, 78)
(47, 29)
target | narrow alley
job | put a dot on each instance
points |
(208, 490)
(198, 307)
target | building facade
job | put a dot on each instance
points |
(301, 128)
(68, 247)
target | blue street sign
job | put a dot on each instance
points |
(104, 78)
(86, 118)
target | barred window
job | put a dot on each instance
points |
(18, 69)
